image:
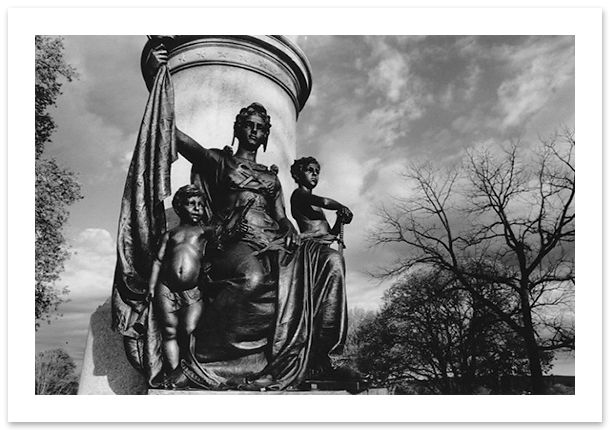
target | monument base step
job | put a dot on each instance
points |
(370, 391)
(353, 387)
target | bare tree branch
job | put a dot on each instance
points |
(506, 219)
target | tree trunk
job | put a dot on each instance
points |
(533, 356)
(531, 346)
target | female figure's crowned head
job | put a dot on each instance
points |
(252, 126)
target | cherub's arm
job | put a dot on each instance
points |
(156, 267)
(322, 202)
(344, 215)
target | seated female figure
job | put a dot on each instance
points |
(276, 307)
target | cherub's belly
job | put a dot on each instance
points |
(183, 269)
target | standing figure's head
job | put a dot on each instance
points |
(252, 126)
(306, 172)
(188, 204)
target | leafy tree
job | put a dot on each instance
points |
(439, 337)
(55, 373)
(56, 186)
(504, 219)
(356, 318)
(50, 66)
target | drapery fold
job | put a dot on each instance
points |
(310, 321)
(141, 224)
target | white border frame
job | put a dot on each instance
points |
(24, 406)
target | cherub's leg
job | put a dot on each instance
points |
(168, 323)
(189, 319)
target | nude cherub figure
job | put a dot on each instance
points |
(178, 275)
(307, 207)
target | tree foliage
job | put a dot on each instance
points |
(56, 186)
(55, 373)
(439, 338)
(356, 318)
(506, 219)
(50, 67)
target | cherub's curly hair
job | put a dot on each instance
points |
(183, 194)
(298, 166)
(254, 109)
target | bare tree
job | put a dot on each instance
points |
(505, 218)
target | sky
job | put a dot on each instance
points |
(378, 102)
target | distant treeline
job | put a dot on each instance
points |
(556, 384)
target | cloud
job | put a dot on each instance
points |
(366, 83)
(472, 80)
(113, 83)
(88, 140)
(90, 268)
(362, 291)
(99, 114)
(469, 46)
(541, 69)
(390, 76)
(398, 95)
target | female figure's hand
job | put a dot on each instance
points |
(157, 57)
(291, 236)
(293, 240)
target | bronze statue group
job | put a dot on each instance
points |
(235, 298)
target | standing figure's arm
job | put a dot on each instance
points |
(156, 267)
(344, 215)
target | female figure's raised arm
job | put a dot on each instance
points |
(187, 146)
(190, 149)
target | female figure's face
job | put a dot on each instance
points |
(249, 132)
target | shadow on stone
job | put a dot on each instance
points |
(105, 368)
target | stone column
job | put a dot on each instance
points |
(215, 76)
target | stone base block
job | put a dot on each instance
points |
(370, 391)
(105, 367)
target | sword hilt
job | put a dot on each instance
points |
(341, 238)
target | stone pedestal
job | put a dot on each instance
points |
(215, 76)
(370, 392)
(105, 366)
